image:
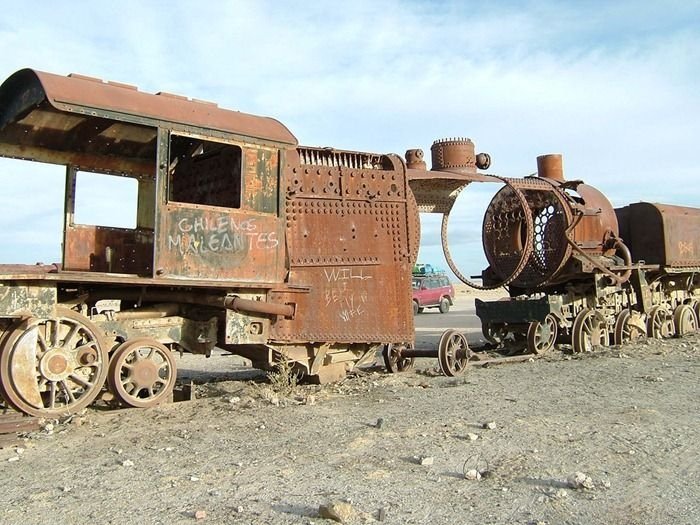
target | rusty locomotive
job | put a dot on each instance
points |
(580, 271)
(242, 239)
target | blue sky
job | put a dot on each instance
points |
(613, 86)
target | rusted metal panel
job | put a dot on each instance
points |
(111, 250)
(662, 234)
(348, 304)
(350, 234)
(260, 190)
(219, 244)
(22, 300)
(80, 95)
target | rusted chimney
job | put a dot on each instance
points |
(550, 167)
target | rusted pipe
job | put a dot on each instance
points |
(233, 302)
(152, 312)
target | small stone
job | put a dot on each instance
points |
(490, 425)
(168, 449)
(200, 515)
(13, 458)
(472, 475)
(235, 399)
(19, 451)
(310, 400)
(214, 492)
(66, 489)
(339, 511)
(472, 437)
(239, 509)
(561, 494)
(127, 463)
(194, 478)
(48, 427)
(427, 461)
(380, 423)
(580, 481)
(381, 515)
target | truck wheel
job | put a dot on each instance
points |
(444, 305)
(416, 309)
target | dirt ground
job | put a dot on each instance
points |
(393, 448)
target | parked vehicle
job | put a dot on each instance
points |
(432, 291)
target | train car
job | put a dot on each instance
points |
(580, 271)
(242, 239)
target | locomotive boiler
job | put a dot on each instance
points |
(242, 239)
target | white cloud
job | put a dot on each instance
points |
(612, 86)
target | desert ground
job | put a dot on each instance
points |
(608, 437)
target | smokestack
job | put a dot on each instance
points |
(550, 167)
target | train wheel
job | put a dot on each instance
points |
(628, 328)
(394, 361)
(453, 353)
(589, 330)
(494, 333)
(541, 336)
(142, 373)
(659, 323)
(53, 367)
(684, 320)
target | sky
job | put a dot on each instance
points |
(612, 86)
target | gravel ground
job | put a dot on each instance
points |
(389, 448)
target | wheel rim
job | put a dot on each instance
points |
(589, 331)
(628, 328)
(394, 361)
(541, 336)
(660, 325)
(142, 372)
(52, 367)
(685, 320)
(453, 353)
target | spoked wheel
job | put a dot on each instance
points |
(684, 320)
(589, 330)
(541, 336)
(453, 353)
(394, 361)
(629, 328)
(494, 333)
(659, 323)
(142, 372)
(696, 309)
(53, 367)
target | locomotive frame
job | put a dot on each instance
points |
(243, 239)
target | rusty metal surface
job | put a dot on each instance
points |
(598, 221)
(81, 96)
(111, 250)
(220, 244)
(565, 217)
(351, 233)
(661, 234)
